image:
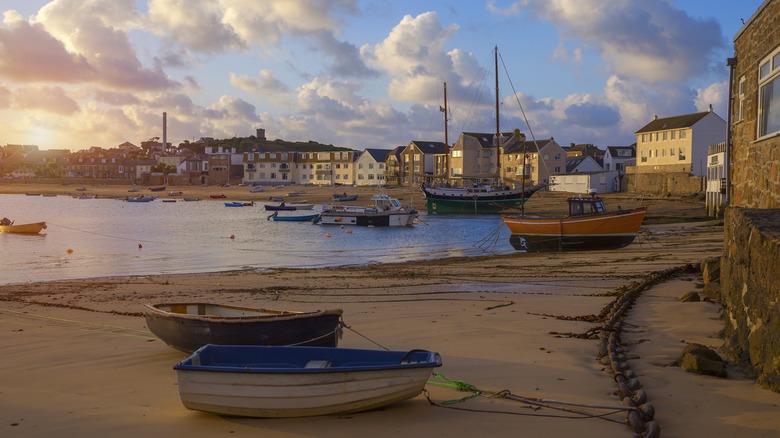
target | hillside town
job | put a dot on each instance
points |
(677, 155)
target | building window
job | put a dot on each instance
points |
(741, 99)
(683, 134)
(674, 134)
(644, 156)
(681, 155)
(769, 95)
(664, 135)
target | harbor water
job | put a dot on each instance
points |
(90, 238)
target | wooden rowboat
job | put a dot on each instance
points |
(254, 381)
(33, 228)
(189, 326)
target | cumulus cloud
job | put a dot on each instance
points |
(266, 82)
(715, 94)
(414, 55)
(30, 54)
(49, 99)
(97, 32)
(592, 115)
(650, 40)
(199, 26)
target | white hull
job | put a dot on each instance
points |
(297, 395)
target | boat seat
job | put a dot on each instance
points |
(270, 365)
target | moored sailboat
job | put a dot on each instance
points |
(479, 195)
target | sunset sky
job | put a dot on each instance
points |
(356, 73)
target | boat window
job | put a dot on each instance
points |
(600, 207)
(576, 208)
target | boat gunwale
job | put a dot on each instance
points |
(273, 315)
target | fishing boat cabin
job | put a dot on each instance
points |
(581, 206)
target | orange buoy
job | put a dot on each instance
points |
(232, 236)
(140, 246)
(327, 234)
(349, 231)
(70, 251)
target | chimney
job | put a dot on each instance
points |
(710, 107)
(165, 132)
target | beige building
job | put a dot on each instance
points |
(679, 143)
(474, 157)
(541, 158)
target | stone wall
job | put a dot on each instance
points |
(750, 289)
(755, 164)
(662, 183)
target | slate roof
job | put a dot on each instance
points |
(527, 146)
(675, 122)
(431, 147)
(614, 151)
(486, 139)
(379, 155)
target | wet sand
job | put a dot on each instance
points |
(80, 361)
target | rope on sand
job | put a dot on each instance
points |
(535, 403)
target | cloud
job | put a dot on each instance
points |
(715, 94)
(591, 115)
(650, 40)
(97, 32)
(30, 54)
(414, 55)
(266, 83)
(49, 99)
(199, 26)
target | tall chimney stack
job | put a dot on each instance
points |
(165, 131)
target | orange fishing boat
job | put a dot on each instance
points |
(588, 226)
(33, 228)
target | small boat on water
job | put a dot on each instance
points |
(280, 207)
(157, 189)
(217, 196)
(276, 382)
(175, 193)
(343, 197)
(141, 198)
(386, 212)
(168, 200)
(33, 228)
(302, 218)
(239, 204)
(256, 189)
(189, 326)
(276, 198)
(191, 199)
(588, 226)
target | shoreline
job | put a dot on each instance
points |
(81, 362)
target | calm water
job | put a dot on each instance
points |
(115, 238)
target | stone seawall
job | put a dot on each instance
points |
(662, 183)
(750, 288)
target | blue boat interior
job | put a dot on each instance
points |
(270, 359)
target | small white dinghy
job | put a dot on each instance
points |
(261, 381)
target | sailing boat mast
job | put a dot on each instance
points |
(498, 117)
(446, 138)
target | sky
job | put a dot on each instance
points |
(357, 73)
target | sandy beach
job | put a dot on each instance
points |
(80, 361)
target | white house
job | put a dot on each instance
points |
(618, 157)
(583, 182)
(370, 167)
(583, 163)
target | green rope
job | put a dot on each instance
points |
(458, 385)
